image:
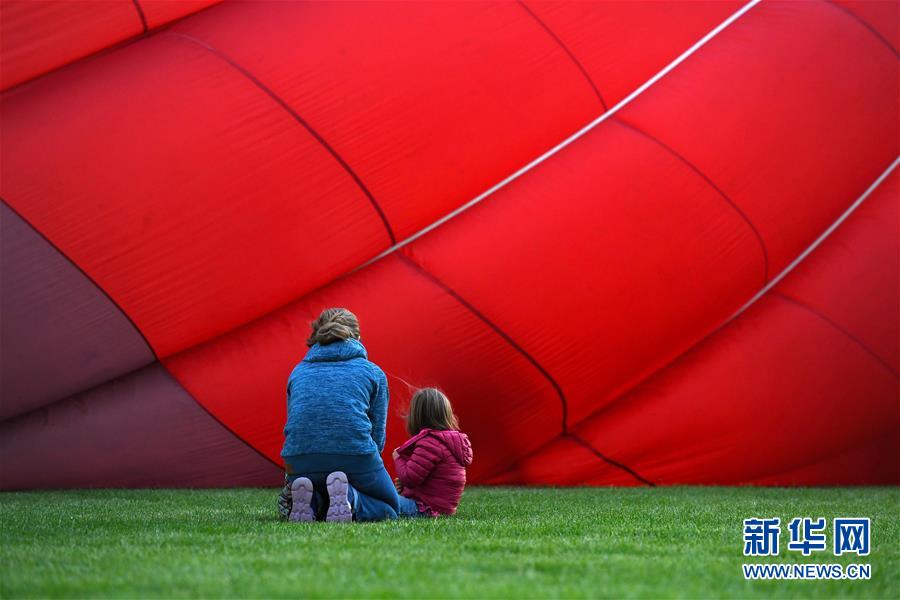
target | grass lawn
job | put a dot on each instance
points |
(504, 542)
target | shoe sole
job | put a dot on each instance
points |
(301, 499)
(339, 510)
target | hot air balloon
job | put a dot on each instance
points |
(635, 243)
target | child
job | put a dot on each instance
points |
(431, 465)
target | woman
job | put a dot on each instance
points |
(335, 431)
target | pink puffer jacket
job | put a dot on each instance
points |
(431, 466)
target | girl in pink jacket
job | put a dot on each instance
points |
(431, 465)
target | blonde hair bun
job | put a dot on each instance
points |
(333, 325)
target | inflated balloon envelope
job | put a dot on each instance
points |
(636, 243)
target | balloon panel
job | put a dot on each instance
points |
(59, 331)
(38, 37)
(141, 430)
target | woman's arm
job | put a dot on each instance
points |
(378, 409)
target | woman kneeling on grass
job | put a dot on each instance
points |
(335, 432)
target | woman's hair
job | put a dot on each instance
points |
(430, 408)
(333, 325)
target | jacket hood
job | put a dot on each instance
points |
(336, 351)
(456, 442)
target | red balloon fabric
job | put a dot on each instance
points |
(38, 37)
(636, 243)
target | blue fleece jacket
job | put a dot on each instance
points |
(337, 402)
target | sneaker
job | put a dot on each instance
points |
(339, 510)
(284, 500)
(301, 500)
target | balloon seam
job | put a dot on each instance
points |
(865, 24)
(149, 365)
(834, 325)
(566, 49)
(477, 313)
(90, 279)
(296, 116)
(217, 419)
(140, 11)
(609, 460)
(809, 249)
(519, 349)
(702, 175)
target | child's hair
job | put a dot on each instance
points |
(430, 408)
(333, 325)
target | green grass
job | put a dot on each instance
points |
(504, 542)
